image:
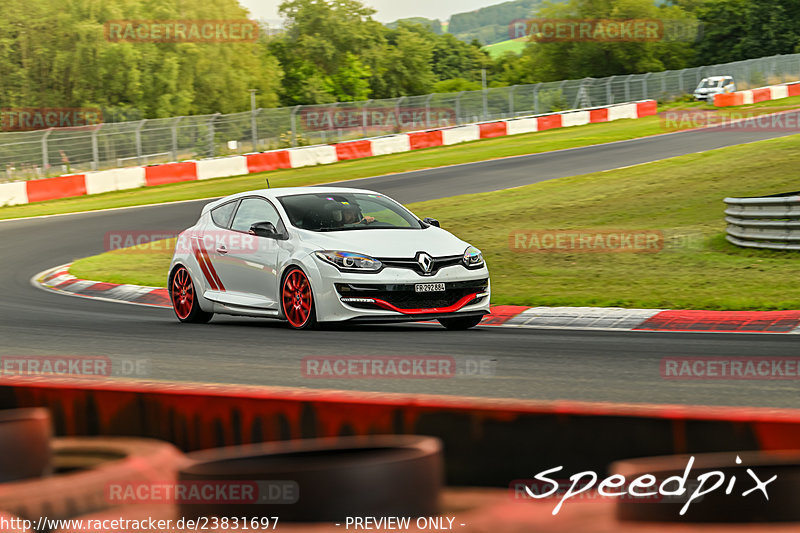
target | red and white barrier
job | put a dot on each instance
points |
(578, 118)
(313, 155)
(222, 167)
(522, 125)
(117, 179)
(461, 134)
(16, 193)
(393, 144)
(13, 193)
(623, 111)
(753, 96)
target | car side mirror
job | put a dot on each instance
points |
(431, 222)
(264, 229)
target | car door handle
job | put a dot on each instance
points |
(222, 250)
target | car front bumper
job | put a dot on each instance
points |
(389, 295)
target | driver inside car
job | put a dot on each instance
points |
(352, 215)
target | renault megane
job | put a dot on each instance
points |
(312, 255)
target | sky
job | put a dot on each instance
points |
(388, 10)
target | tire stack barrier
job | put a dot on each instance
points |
(85, 466)
(513, 438)
(25, 444)
(66, 477)
(379, 475)
(770, 222)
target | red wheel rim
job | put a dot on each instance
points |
(297, 298)
(182, 293)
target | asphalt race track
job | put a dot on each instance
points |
(528, 363)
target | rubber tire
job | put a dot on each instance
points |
(85, 466)
(335, 477)
(311, 323)
(461, 322)
(25, 444)
(196, 315)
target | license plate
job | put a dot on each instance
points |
(429, 287)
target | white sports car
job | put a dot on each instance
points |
(325, 254)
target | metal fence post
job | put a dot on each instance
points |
(458, 107)
(293, 119)
(644, 84)
(95, 147)
(609, 92)
(364, 117)
(628, 88)
(139, 141)
(536, 98)
(45, 154)
(397, 112)
(511, 100)
(211, 135)
(428, 111)
(174, 128)
(254, 128)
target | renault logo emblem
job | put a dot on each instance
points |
(425, 262)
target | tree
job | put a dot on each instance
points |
(772, 27)
(56, 54)
(327, 47)
(552, 61)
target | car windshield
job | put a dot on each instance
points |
(710, 84)
(347, 211)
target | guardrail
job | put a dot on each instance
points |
(771, 222)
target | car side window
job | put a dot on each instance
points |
(252, 210)
(222, 215)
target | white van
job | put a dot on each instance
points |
(714, 85)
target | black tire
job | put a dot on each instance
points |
(183, 296)
(461, 322)
(332, 478)
(85, 467)
(25, 444)
(297, 300)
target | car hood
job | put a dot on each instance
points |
(395, 243)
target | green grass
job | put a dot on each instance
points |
(512, 45)
(681, 197)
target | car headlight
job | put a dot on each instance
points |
(349, 262)
(473, 258)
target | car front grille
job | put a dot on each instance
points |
(412, 264)
(405, 297)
